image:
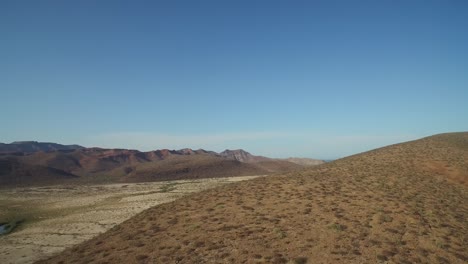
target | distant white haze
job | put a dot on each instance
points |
(271, 144)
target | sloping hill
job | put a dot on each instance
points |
(15, 173)
(191, 167)
(390, 205)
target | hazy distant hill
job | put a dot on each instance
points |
(269, 164)
(34, 146)
(405, 203)
(242, 156)
(97, 165)
(305, 161)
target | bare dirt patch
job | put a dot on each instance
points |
(54, 218)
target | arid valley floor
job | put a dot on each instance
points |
(58, 217)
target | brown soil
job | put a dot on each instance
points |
(391, 205)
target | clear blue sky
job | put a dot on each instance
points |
(319, 79)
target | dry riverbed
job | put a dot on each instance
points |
(57, 217)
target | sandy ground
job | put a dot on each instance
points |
(61, 216)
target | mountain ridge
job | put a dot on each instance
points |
(101, 165)
(34, 146)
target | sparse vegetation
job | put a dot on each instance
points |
(337, 227)
(280, 233)
(168, 187)
(59, 216)
(398, 204)
(300, 260)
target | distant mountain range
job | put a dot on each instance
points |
(34, 146)
(36, 163)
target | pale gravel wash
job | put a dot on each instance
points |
(69, 215)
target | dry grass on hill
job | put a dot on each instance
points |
(406, 203)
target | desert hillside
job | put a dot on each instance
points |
(405, 203)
